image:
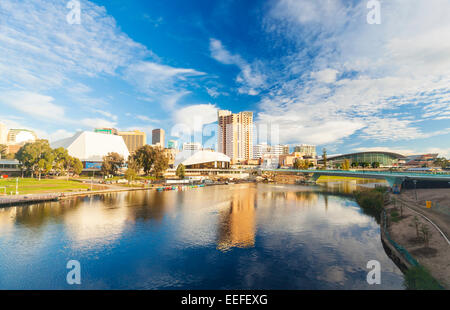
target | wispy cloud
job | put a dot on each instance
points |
(376, 82)
(153, 78)
(251, 78)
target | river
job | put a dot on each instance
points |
(242, 236)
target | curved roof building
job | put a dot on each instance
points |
(202, 160)
(384, 158)
(92, 146)
(21, 135)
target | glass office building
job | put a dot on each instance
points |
(386, 159)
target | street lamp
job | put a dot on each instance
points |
(415, 188)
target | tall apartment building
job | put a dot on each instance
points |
(158, 137)
(306, 150)
(133, 139)
(235, 137)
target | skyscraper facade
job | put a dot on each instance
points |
(158, 136)
(133, 139)
(235, 136)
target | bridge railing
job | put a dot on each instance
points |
(370, 172)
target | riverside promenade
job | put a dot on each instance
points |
(434, 255)
(12, 200)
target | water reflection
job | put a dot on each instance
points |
(347, 185)
(237, 236)
(237, 224)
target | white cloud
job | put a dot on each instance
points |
(326, 75)
(35, 35)
(155, 78)
(391, 76)
(147, 119)
(251, 78)
(97, 123)
(34, 104)
(196, 116)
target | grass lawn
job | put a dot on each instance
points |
(34, 186)
(337, 178)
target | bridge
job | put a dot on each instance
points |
(392, 177)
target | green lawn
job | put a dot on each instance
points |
(34, 186)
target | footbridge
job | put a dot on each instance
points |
(392, 177)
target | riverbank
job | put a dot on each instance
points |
(11, 200)
(406, 228)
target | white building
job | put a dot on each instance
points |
(306, 150)
(235, 134)
(202, 160)
(259, 150)
(279, 149)
(192, 146)
(92, 146)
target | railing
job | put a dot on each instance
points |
(377, 173)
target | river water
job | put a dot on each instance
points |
(243, 236)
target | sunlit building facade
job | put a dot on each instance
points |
(133, 139)
(235, 136)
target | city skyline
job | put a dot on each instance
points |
(338, 83)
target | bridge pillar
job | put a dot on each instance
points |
(395, 183)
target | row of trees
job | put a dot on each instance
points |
(442, 162)
(39, 158)
(302, 164)
(151, 160)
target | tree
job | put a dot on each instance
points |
(426, 234)
(130, 174)
(180, 171)
(375, 165)
(442, 162)
(151, 158)
(354, 164)
(36, 157)
(161, 163)
(3, 150)
(143, 157)
(324, 157)
(62, 160)
(346, 165)
(112, 163)
(417, 226)
(365, 164)
(76, 166)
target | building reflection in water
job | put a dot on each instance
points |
(237, 223)
(347, 185)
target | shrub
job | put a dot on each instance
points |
(371, 201)
(418, 278)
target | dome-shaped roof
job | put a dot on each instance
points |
(199, 157)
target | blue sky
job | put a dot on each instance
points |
(314, 69)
